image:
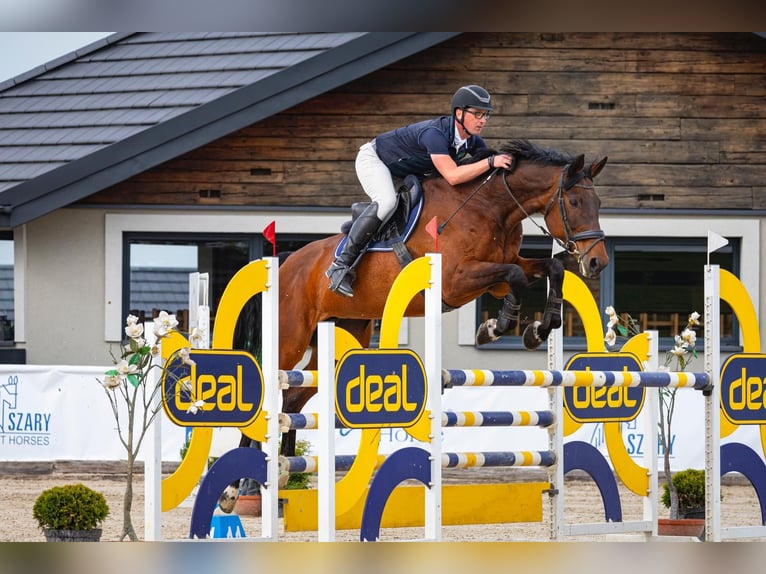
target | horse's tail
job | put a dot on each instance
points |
(247, 332)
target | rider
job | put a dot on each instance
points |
(422, 149)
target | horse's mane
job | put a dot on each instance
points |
(523, 150)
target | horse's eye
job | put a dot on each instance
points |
(574, 202)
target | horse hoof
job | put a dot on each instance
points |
(486, 333)
(227, 500)
(530, 338)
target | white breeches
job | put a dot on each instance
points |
(376, 180)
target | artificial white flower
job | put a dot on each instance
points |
(131, 320)
(613, 318)
(679, 351)
(610, 337)
(694, 318)
(186, 386)
(125, 368)
(112, 381)
(196, 335)
(134, 330)
(195, 407)
(689, 336)
(164, 323)
(185, 358)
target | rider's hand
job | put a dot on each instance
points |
(502, 160)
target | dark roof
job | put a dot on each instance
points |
(131, 101)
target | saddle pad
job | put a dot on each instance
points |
(387, 244)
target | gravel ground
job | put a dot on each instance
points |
(582, 505)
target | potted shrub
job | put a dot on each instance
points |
(70, 513)
(690, 488)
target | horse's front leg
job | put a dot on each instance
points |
(538, 331)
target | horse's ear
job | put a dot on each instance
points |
(576, 165)
(596, 168)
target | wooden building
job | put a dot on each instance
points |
(680, 115)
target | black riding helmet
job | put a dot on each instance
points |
(472, 96)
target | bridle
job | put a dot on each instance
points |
(571, 239)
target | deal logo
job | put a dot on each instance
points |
(380, 388)
(743, 389)
(222, 388)
(603, 404)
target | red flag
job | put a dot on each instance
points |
(431, 227)
(270, 233)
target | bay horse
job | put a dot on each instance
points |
(480, 225)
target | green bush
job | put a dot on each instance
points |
(70, 507)
(690, 485)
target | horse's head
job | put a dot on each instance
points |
(572, 215)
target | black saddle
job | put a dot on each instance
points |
(399, 225)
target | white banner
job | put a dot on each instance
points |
(61, 413)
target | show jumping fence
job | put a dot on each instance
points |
(424, 276)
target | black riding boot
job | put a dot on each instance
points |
(341, 272)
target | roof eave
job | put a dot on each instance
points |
(245, 106)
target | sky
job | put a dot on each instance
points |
(31, 49)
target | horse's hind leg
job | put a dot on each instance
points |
(538, 331)
(228, 497)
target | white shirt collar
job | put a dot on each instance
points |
(458, 142)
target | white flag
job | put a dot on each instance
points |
(715, 242)
(557, 248)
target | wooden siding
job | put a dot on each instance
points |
(681, 117)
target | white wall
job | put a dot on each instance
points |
(71, 270)
(63, 280)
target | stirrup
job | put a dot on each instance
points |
(341, 277)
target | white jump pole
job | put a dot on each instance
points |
(433, 365)
(270, 370)
(713, 405)
(326, 397)
(556, 430)
(153, 447)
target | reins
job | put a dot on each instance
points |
(570, 245)
(467, 199)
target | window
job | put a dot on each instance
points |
(658, 281)
(7, 306)
(159, 265)
(202, 231)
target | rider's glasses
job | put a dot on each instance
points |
(479, 115)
